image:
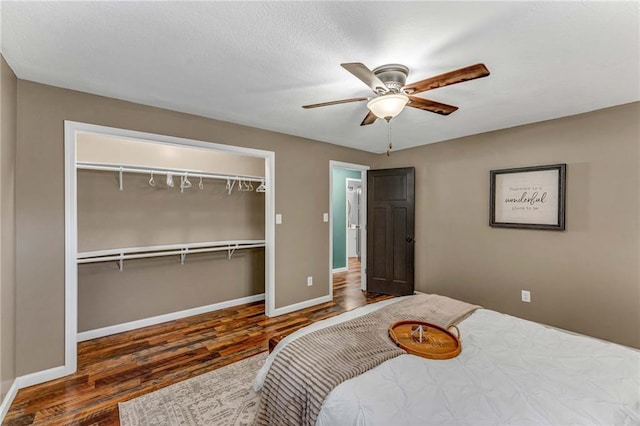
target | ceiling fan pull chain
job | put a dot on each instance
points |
(389, 137)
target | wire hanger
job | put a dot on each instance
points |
(262, 187)
(184, 182)
(170, 180)
(201, 185)
(152, 182)
(230, 184)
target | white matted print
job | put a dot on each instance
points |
(528, 197)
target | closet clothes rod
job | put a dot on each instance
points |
(120, 255)
(163, 171)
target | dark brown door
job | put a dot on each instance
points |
(390, 231)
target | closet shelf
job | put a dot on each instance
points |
(163, 171)
(184, 175)
(122, 254)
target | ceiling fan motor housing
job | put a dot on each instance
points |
(394, 76)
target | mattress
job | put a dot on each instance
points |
(510, 371)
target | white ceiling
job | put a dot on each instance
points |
(256, 63)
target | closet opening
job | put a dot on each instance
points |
(348, 215)
(160, 228)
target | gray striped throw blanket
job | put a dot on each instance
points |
(307, 369)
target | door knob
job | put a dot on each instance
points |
(410, 240)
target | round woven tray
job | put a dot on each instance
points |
(436, 343)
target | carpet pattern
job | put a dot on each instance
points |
(222, 397)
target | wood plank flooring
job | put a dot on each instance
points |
(117, 368)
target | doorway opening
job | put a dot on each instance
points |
(347, 236)
(354, 230)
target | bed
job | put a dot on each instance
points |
(510, 371)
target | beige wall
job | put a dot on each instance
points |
(142, 215)
(92, 147)
(301, 191)
(590, 268)
(584, 279)
(156, 286)
(8, 86)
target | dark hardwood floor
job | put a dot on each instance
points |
(117, 368)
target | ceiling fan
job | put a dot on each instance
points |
(392, 94)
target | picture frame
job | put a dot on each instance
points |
(528, 197)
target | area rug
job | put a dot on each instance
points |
(220, 397)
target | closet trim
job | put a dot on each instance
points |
(71, 131)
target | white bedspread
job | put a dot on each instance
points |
(510, 372)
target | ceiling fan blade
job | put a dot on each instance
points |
(342, 101)
(365, 75)
(431, 106)
(370, 118)
(452, 77)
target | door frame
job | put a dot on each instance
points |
(71, 130)
(363, 220)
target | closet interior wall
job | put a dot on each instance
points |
(144, 215)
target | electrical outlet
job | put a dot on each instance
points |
(526, 296)
(309, 281)
(278, 219)
(325, 217)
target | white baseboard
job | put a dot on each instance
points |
(57, 372)
(42, 376)
(8, 399)
(302, 305)
(336, 270)
(127, 326)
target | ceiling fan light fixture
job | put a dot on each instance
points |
(388, 106)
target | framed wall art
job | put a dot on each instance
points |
(528, 197)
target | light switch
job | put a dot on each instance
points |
(325, 217)
(278, 219)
